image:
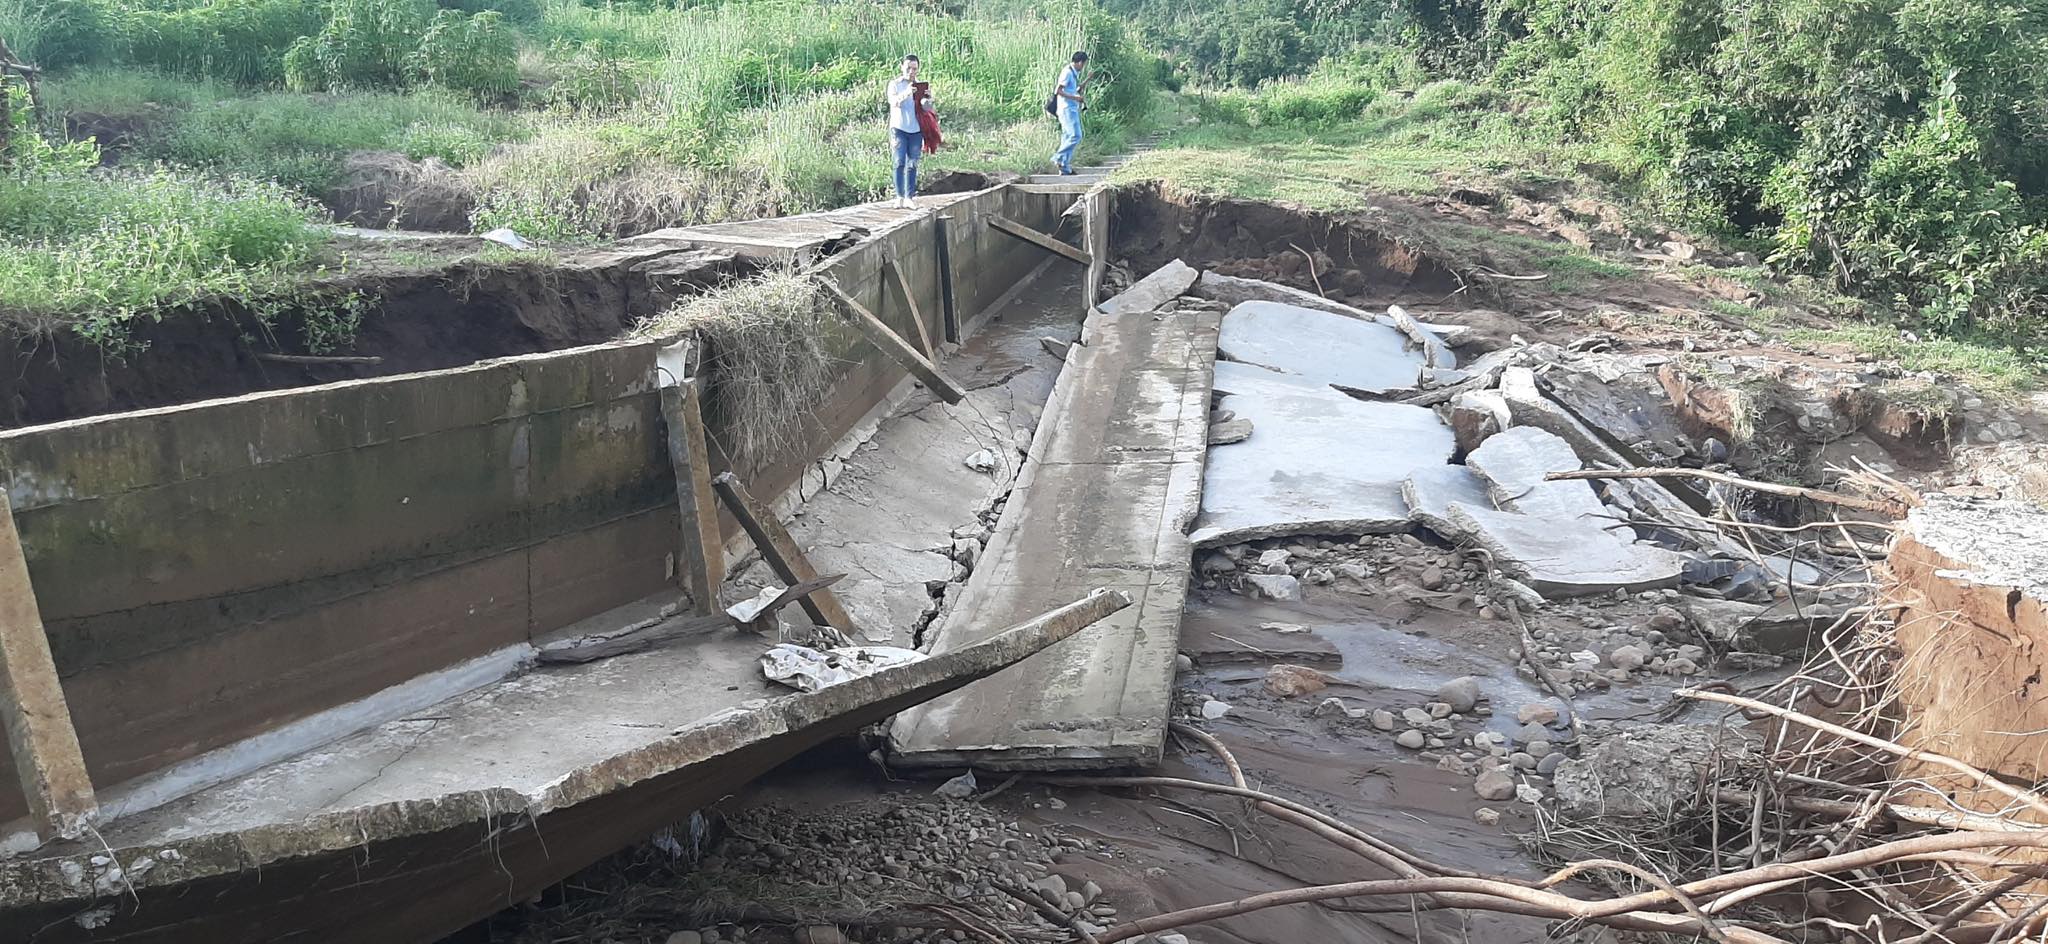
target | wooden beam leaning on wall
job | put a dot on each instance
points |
(782, 553)
(892, 344)
(1039, 239)
(895, 272)
(39, 730)
(701, 565)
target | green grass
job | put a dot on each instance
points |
(1398, 145)
(1990, 367)
(92, 252)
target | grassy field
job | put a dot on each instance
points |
(1334, 146)
(231, 126)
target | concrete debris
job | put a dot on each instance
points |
(959, 788)
(1644, 772)
(1431, 490)
(982, 461)
(1324, 464)
(1564, 558)
(1514, 463)
(1234, 430)
(1486, 816)
(1213, 710)
(1336, 706)
(1161, 286)
(1475, 416)
(1435, 352)
(1359, 355)
(1293, 681)
(1280, 588)
(1055, 347)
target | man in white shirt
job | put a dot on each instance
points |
(1067, 108)
(906, 135)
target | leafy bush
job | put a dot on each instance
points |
(475, 54)
(365, 44)
(231, 40)
(300, 141)
(61, 34)
(521, 12)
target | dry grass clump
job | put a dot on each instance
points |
(768, 357)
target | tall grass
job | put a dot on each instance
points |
(91, 252)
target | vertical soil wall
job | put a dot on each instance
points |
(208, 572)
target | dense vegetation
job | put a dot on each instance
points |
(561, 119)
(1890, 146)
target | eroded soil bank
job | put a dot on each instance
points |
(401, 305)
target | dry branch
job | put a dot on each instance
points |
(1892, 508)
(1976, 776)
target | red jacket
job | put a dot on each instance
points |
(927, 122)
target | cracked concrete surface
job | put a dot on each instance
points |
(889, 520)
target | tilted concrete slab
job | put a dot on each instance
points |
(1157, 288)
(1319, 345)
(787, 238)
(1317, 462)
(1514, 462)
(1112, 482)
(1431, 490)
(1564, 558)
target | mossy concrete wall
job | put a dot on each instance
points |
(208, 572)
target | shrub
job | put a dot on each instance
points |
(475, 54)
(365, 44)
(232, 40)
(61, 34)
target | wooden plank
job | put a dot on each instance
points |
(1095, 235)
(39, 730)
(1039, 239)
(637, 637)
(924, 337)
(950, 304)
(893, 345)
(701, 568)
(781, 553)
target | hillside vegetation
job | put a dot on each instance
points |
(562, 120)
(1891, 148)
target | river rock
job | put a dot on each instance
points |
(1643, 772)
(685, 937)
(1213, 709)
(1462, 694)
(1383, 719)
(1486, 816)
(820, 934)
(1536, 713)
(1416, 717)
(1411, 739)
(1290, 681)
(1494, 783)
(1627, 658)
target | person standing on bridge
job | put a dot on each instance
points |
(908, 99)
(1066, 106)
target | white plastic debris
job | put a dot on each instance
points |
(806, 669)
(958, 788)
(982, 461)
(1213, 709)
(745, 610)
(505, 237)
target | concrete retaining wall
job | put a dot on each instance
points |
(211, 571)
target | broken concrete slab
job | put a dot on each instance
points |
(1237, 429)
(1431, 490)
(1324, 463)
(1087, 512)
(1475, 416)
(1435, 352)
(1527, 405)
(1564, 558)
(1163, 285)
(1632, 410)
(1514, 462)
(1320, 346)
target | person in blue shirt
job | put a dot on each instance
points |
(1068, 106)
(904, 131)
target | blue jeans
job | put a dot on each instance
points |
(909, 148)
(1070, 136)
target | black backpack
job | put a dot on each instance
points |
(1052, 103)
